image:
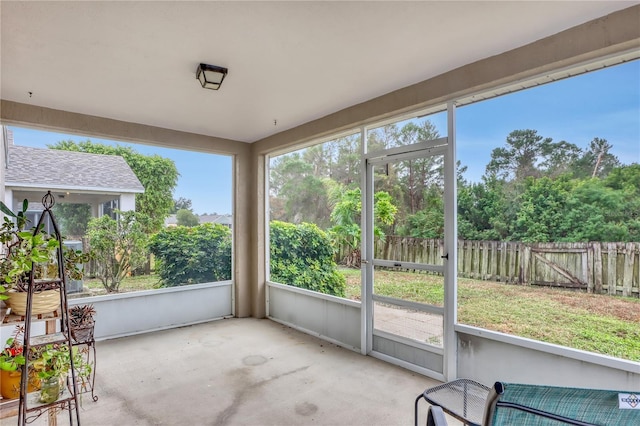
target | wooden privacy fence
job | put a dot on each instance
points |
(596, 267)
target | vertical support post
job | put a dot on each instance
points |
(450, 369)
(366, 249)
(266, 170)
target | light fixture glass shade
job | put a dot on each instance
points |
(210, 76)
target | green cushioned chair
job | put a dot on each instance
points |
(518, 404)
(509, 404)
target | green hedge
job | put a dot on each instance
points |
(302, 256)
(190, 255)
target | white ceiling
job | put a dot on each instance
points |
(288, 61)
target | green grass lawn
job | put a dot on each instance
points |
(140, 282)
(598, 323)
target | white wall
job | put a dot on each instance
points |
(8, 198)
(127, 202)
(331, 318)
(488, 357)
(144, 311)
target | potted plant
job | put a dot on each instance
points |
(53, 363)
(12, 361)
(21, 250)
(82, 322)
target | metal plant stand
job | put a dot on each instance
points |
(30, 406)
(84, 340)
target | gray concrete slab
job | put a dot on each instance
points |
(244, 372)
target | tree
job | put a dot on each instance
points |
(529, 154)
(382, 138)
(626, 180)
(542, 209)
(158, 175)
(296, 194)
(180, 204)
(344, 167)
(594, 212)
(185, 217)
(346, 216)
(119, 246)
(596, 161)
(486, 210)
(416, 175)
(428, 222)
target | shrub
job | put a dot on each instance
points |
(118, 246)
(302, 256)
(191, 255)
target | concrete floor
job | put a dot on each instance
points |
(244, 372)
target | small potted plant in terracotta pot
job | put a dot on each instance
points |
(12, 361)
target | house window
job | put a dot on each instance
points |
(109, 208)
(33, 216)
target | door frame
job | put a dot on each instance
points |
(444, 146)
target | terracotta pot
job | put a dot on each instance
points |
(10, 383)
(43, 302)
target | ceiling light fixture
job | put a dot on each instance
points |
(211, 76)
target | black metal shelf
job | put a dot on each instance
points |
(30, 407)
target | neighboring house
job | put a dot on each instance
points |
(105, 182)
(222, 219)
(170, 221)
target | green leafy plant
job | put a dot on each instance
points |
(189, 255)
(346, 217)
(21, 249)
(119, 246)
(11, 357)
(54, 360)
(302, 256)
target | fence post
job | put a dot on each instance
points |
(628, 270)
(590, 267)
(524, 267)
(612, 261)
(597, 267)
(460, 265)
(467, 259)
(513, 262)
(493, 263)
(587, 259)
(503, 261)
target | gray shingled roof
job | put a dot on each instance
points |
(51, 168)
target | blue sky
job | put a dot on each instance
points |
(603, 104)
